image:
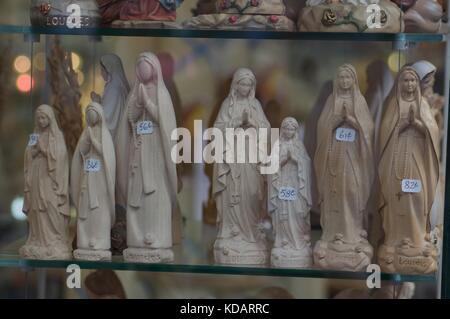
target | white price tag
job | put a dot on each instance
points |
(33, 139)
(345, 134)
(145, 127)
(411, 186)
(92, 165)
(287, 193)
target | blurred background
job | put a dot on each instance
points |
(293, 77)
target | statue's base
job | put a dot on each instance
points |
(46, 253)
(350, 18)
(145, 24)
(291, 258)
(409, 260)
(92, 255)
(238, 252)
(149, 256)
(343, 256)
(226, 21)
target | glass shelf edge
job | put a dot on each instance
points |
(227, 34)
(17, 262)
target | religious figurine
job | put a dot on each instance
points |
(290, 201)
(113, 100)
(238, 188)
(427, 72)
(139, 13)
(145, 159)
(92, 187)
(46, 193)
(408, 170)
(423, 16)
(59, 13)
(246, 15)
(344, 170)
(350, 16)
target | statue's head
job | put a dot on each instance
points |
(289, 128)
(92, 117)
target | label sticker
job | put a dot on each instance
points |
(92, 165)
(411, 186)
(287, 193)
(345, 134)
(145, 127)
(33, 139)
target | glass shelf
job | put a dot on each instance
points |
(185, 264)
(227, 34)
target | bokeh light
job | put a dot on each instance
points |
(16, 209)
(76, 61)
(396, 61)
(22, 64)
(24, 83)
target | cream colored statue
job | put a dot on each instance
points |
(47, 190)
(290, 201)
(409, 172)
(152, 178)
(238, 189)
(92, 187)
(344, 170)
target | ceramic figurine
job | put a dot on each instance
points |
(290, 201)
(349, 16)
(423, 16)
(245, 15)
(115, 92)
(46, 193)
(58, 13)
(408, 170)
(344, 168)
(92, 186)
(113, 100)
(139, 13)
(427, 72)
(238, 188)
(145, 158)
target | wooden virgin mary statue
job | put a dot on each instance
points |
(238, 188)
(46, 193)
(146, 168)
(290, 201)
(92, 186)
(344, 171)
(408, 170)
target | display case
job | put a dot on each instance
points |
(296, 73)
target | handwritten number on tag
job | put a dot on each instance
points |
(145, 127)
(287, 193)
(344, 134)
(411, 186)
(92, 165)
(33, 139)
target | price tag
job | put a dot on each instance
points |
(287, 193)
(33, 139)
(345, 134)
(411, 186)
(145, 127)
(92, 165)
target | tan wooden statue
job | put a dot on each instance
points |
(47, 190)
(290, 201)
(344, 170)
(238, 188)
(408, 170)
(92, 187)
(146, 167)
